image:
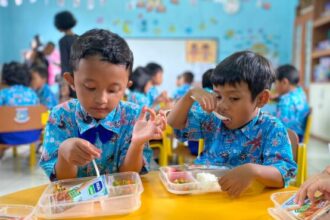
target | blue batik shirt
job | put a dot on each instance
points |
(264, 140)
(112, 135)
(292, 110)
(138, 98)
(152, 95)
(47, 97)
(18, 95)
(181, 91)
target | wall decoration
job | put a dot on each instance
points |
(3, 3)
(90, 4)
(172, 29)
(61, 3)
(231, 6)
(201, 51)
(100, 20)
(127, 28)
(189, 30)
(18, 2)
(76, 3)
(103, 2)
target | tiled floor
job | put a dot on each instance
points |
(15, 173)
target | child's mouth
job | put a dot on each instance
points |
(221, 117)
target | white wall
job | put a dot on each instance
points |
(170, 54)
(320, 102)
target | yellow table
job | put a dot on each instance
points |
(159, 204)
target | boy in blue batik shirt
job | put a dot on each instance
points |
(187, 78)
(292, 107)
(98, 125)
(255, 144)
(39, 84)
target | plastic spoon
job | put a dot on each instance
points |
(96, 169)
(221, 117)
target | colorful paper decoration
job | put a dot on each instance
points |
(3, 3)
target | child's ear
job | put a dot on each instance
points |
(263, 98)
(69, 79)
(129, 84)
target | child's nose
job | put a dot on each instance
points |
(222, 106)
(101, 97)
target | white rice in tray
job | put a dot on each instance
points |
(208, 181)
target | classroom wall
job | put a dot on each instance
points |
(3, 33)
(265, 26)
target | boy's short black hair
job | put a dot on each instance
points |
(153, 68)
(245, 66)
(288, 72)
(15, 73)
(41, 71)
(64, 21)
(109, 46)
(140, 77)
(50, 43)
(206, 79)
(188, 77)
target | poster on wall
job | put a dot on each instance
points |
(201, 51)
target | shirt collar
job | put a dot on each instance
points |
(111, 122)
(250, 130)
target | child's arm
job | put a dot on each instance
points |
(240, 178)
(178, 116)
(72, 153)
(143, 131)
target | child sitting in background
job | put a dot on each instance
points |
(186, 80)
(208, 87)
(254, 143)
(39, 84)
(16, 79)
(98, 125)
(141, 84)
(292, 108)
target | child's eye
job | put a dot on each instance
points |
(90, 88)
(113, 91)
(219, 97)
(233, 99)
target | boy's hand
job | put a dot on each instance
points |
(145, 130)
(78, 152)
(319, 182)
(207, 100)
(237, 180)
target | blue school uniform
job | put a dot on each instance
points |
(112, 135)
(181, 91)
(292, 110)
(263, 140)
(47, 97)
(152, 94)
(138, 98)
(18, 95)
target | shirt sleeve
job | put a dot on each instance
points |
(278, 152)
(57, 130)
(193, 129)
